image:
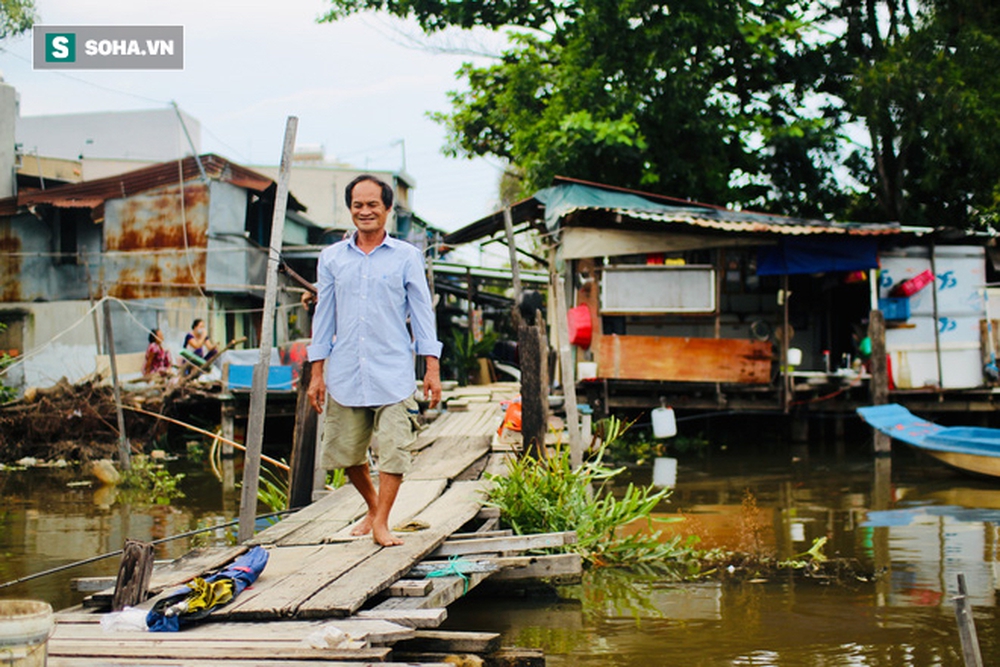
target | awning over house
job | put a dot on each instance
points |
(817, 255)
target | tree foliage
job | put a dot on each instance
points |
(16, 17)
(860, 109)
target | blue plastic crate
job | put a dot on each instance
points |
(895, 309)
(279, 378)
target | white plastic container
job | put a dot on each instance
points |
(25, 626)
(664, 472)
(664, 423)
(586, 370)
(794, 356)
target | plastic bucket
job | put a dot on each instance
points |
(664, 472)
(664, 423)
(25, 626)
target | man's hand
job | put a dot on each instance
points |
(317, 387)
(432, 381)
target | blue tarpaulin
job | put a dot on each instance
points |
(817, 255)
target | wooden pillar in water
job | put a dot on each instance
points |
(533, 353)
(134, 572)
(880, 374)
(300, 489)
(228, 453)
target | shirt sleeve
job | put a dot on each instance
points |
(421, 309)
(324, 321)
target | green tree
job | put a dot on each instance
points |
(853, 109)
(16, 17)
(921, 79)
(638, 93)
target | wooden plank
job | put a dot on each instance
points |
(92, 584)
(134, 572)
(373, 630)
(448, 456)
(414, 495)
(446, 515)
(430, 617)
(410, 588)
(444, 591)
(340, 506)
(504, 544)
(280, 596)
(220, 661)
(481, 533)
(180, 654)
(452, 641)
(684, 359)
(561, 566)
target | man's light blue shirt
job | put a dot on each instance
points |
(359, 327)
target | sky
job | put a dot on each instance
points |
(359, 87)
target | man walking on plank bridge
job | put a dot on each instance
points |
(362, 352)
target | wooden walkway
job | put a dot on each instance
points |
(325, 595)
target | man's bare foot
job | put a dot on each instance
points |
(364, 526)
(384, 537)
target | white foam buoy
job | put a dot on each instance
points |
(664, 472)
(664, 423)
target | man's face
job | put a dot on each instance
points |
(367, 210)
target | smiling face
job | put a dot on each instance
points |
(367, 210)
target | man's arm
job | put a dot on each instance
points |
(324, 328)
(432, 381)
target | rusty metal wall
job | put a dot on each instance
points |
(155, 243)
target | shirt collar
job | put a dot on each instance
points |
(387, 241)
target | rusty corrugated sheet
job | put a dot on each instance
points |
(174, 257)
(90, 194)
(10, 264)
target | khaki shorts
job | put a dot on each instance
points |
(348, 431)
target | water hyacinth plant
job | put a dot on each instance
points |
(549, 495)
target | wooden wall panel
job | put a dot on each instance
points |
(684, 359)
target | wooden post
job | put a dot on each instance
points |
(515, 268)
(533, 352)
(124, 454)
(786, 389)
(880, 374)
(300, 483)
(937, 326)
(134, 571)
(258, 391)
(967, 627)
(558, 288)
(228, 416)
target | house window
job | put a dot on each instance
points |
(635, 289)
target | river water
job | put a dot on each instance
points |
(917, 525)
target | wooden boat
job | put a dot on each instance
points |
(968, 448)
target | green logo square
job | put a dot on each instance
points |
(60, 47)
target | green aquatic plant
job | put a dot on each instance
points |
(149, 483)
(550, 495)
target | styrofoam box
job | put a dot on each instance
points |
(960, 271)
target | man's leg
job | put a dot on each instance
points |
(362, 481)
(388, 487)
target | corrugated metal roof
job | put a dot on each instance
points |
(745, 223)
(92, 194)
(609, 206)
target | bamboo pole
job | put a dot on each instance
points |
(124, 454)
(258, 391)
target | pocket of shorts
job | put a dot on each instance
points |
(413, 413)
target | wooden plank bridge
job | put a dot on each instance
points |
(327, 595)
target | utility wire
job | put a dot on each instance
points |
(118, 552)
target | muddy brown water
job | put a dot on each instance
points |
(918, 525)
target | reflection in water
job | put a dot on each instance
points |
(917, 529)
(49, 519)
